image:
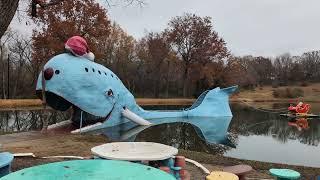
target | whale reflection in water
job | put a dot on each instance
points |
(213, 130)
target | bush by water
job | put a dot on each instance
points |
(288, 93)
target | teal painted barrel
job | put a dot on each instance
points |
(5, 163)
(285, 174)
(90, 169)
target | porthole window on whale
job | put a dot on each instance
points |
(93, 70)
(99, 72)
(105, 73)
(111, 75)
(86, 69)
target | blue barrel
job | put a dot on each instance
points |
(5, 163)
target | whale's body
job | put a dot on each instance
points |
(97, 91)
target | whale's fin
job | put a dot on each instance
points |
(212, 103)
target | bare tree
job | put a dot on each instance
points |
(3, 61)
(310, 62)
(20, 48)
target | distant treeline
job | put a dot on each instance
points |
(184, 59)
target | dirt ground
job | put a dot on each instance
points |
(50, 144)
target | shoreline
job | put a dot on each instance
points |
(8, 104)
(50, 144)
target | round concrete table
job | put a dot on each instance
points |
(239, 170)
(134, 151)
(285, 174)
(90, 169)
(220, 175)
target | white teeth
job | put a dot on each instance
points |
(135, 118)
(87, 128)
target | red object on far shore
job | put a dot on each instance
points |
(300, 108)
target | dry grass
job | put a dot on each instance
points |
(264, 94)
(23, 103)
(14, 103)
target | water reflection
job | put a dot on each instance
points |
(186, 133)
(27, 120)
(250, 133)
(247, 122)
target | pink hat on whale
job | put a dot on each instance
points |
(77, 45)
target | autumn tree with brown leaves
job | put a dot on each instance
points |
(194, 39)
(155, 52)
(55, 24)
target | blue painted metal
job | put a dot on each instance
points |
(90, 170)
(87, 85)
(5, 163)
(173, 170)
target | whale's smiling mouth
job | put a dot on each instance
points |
(55, 101)
(59, 103)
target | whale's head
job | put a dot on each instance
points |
(76, 81)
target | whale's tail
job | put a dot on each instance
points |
(212, 103)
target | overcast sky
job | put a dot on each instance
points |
(256, 27)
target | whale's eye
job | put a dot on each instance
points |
(57, 72)
(110, 92)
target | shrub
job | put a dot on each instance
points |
(297, 92)
(315, 90)
(275, 85)
(288, 93)
(304, 84)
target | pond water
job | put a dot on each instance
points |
(251, 134)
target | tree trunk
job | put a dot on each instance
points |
(157, 85)
(2, 74)
(8, 9)
(167, 80)
(185, 81)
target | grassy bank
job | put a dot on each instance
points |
(311, 93)
(35, 103)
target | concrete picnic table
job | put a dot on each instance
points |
(220, 175)
(90, 169)
(5, 163)
(134, 151)
(285, 174)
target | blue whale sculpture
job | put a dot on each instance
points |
(96, 91)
